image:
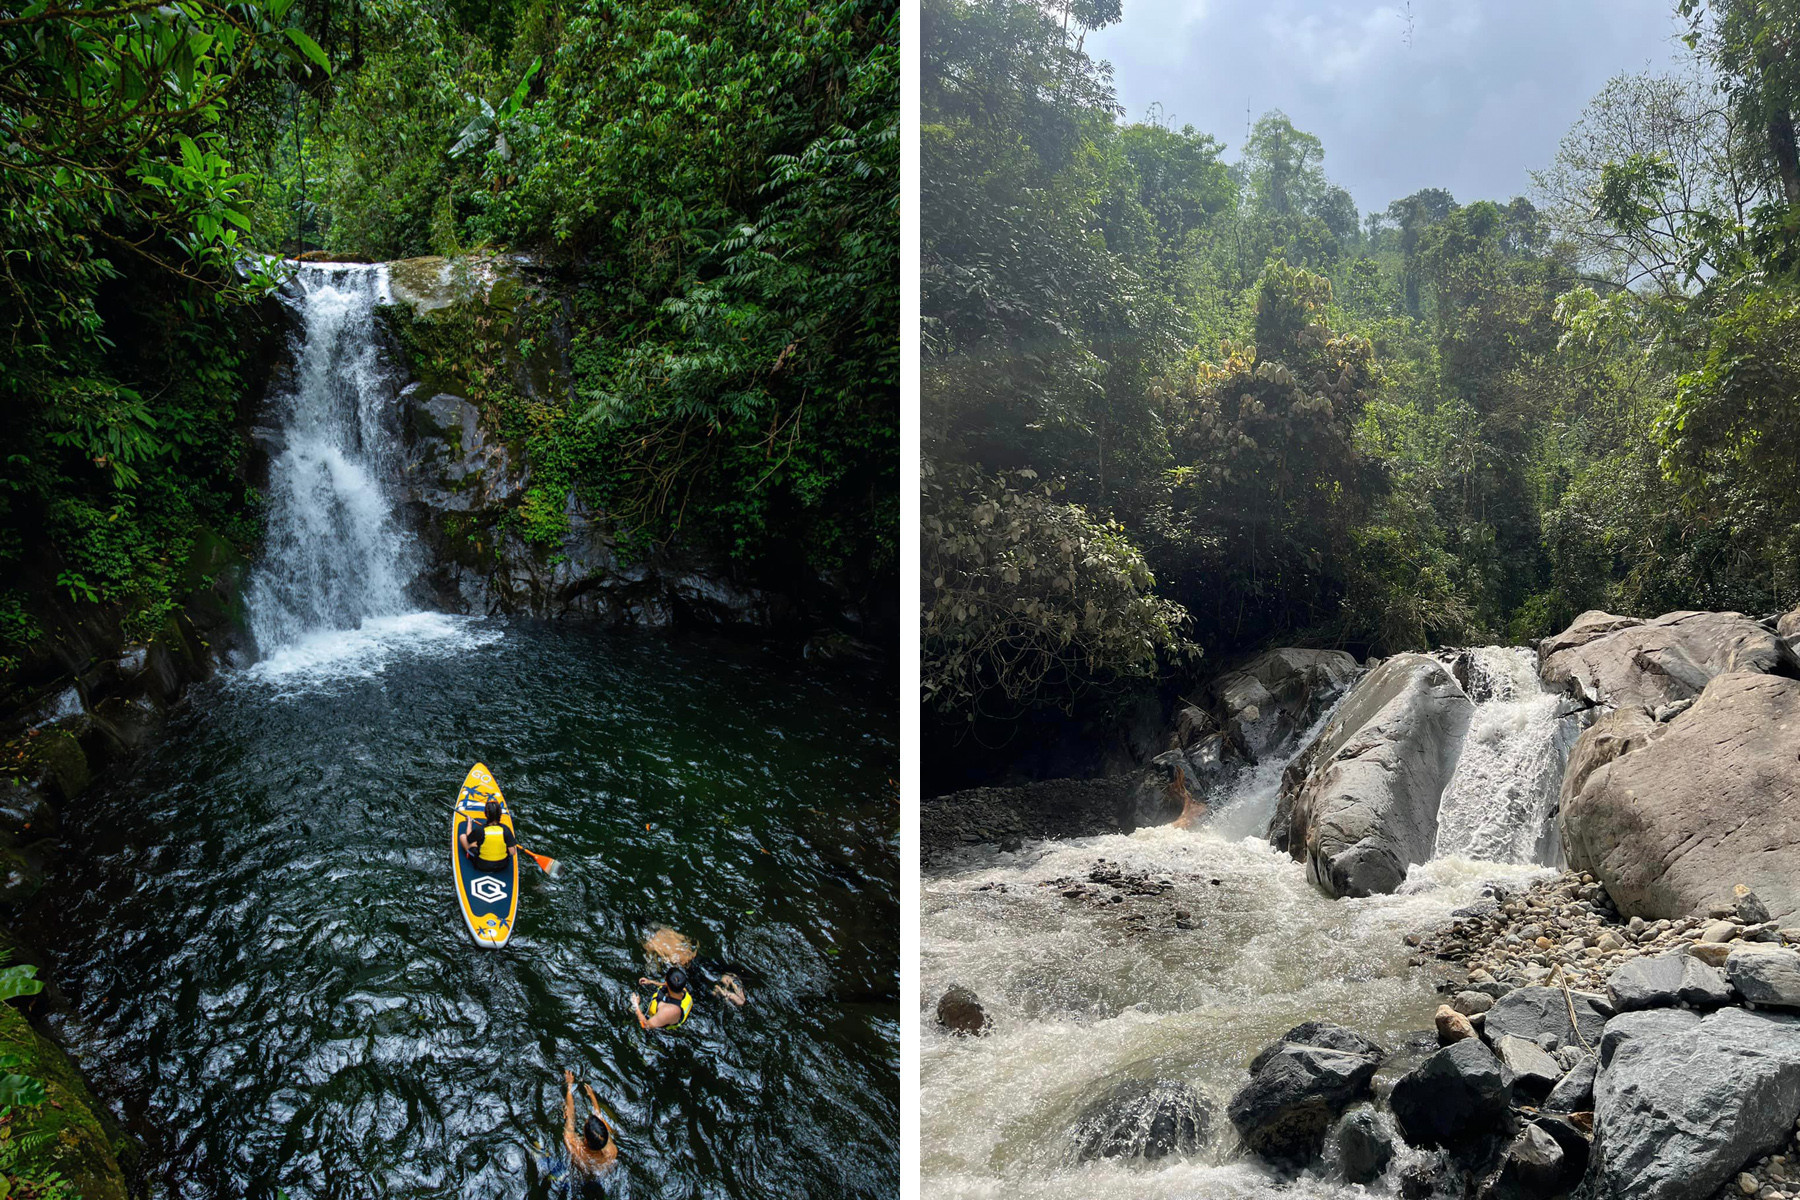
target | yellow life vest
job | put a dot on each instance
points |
(493, 843)
(662, 993)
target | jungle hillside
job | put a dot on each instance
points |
(1178, 408)
(712, 187)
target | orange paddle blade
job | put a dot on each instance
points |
(549, 865)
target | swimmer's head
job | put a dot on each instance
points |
(676, 979)
(594, 1133)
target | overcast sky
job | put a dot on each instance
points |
(1467, 95)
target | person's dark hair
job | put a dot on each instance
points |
(493, 810)
(594, 1133)
(676, 978)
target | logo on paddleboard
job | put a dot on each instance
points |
(488, 889)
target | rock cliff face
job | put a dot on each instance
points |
(500, 535)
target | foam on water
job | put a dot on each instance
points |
(318, 659)
(1080, 1002)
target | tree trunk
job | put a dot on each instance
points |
(1787, 160)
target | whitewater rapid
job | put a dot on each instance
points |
(1080, 999)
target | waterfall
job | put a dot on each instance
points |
(334, 555)
(329, 594)
(1499, 804)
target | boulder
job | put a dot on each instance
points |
(1535, 1162)
(1364, 1147)
(1649, 1023)
(1665, 981)
(1677, 1116)
(1765, 974)
(1670, 816)
(1364, 807)
(1787, 628)
(1574, 1092)
(1325, 1034)
(1534, 1072)
(1620, 662)
(1453, 1099)
(1142, 1120)
(959, 1010)
(1276, 695)
(1531, 1012)
(1288, 1107)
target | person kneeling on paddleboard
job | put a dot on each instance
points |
(593, 1148)
(490, 843)
(669, 1003)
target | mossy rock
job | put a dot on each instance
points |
(55, 756)
(78, 1146)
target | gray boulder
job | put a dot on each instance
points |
(1765, 974)
(1678, 1115)
(1276, 695)
(1531, 1012)
(1535, 1162)
(1135, 1119)
(1288, 1107)
(1534, 1072)
(1665, 981)
(1363, 806)
(1364, 1147)
(1574, 1092)
(1671, 816)
(1454, 1099)
(1620, 661)
(1652, 1023)
(1325, 1034)
(1787, 628)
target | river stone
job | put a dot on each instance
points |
(1287, 1108)
(1470, 1003)
(1364, 1147)
(1682, 812)
(1364, 806)
(959, 1010)
(1665, 981)
(1531, 1012)
(1574, 1092)
(1787, 628)
(1534, 1071)
(1140, 1120)
(1452, 1026)
(1676, 1116)
(1454, 1098)
(1535, 1162)
(1325, 1034)
(1651, 664)
(1276, 695)
(1765, 974)
(1652, 1023)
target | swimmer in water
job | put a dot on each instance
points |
(730, 989)
(593, 1149)
(670, 1003)
(670, 947)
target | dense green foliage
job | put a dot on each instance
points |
(1438, 422)
(716, 186)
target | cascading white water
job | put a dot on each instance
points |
(1080, 1000)
(329, 593)
(1497, 806)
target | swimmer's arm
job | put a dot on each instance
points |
(569, 1108)
(592, 1102)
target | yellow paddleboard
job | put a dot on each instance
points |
(489, 899)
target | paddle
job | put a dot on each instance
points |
(547, 864)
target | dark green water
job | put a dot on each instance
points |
(256, 927)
